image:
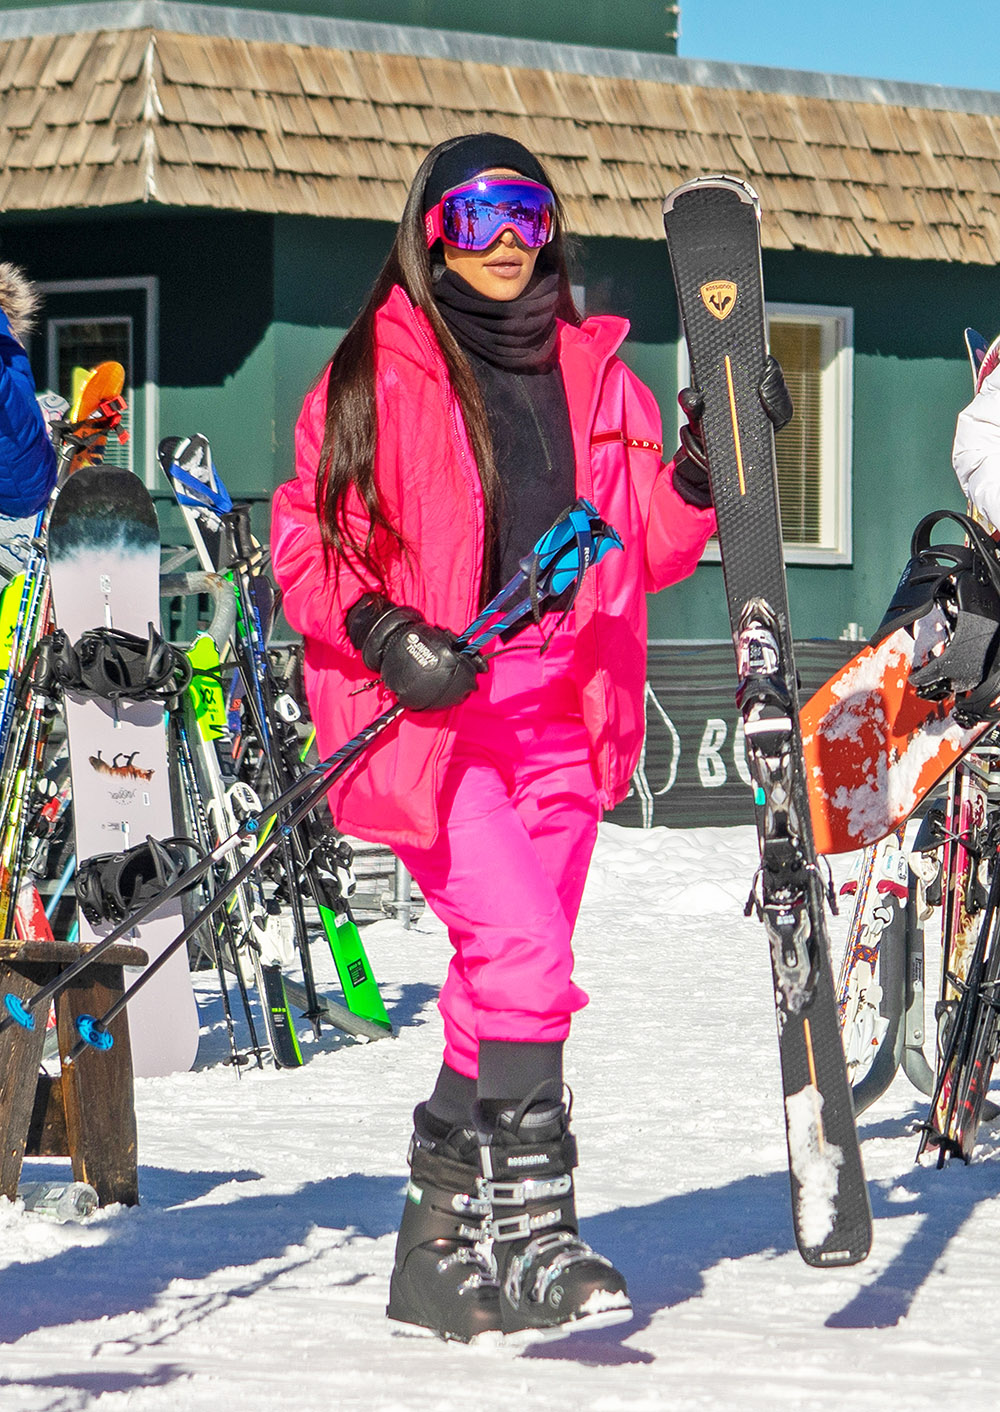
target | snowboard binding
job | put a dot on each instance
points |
(110, 886)
(107, 664)
(961, 581)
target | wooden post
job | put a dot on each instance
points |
(20, 1056)
(97, 1090)
(88, 1113)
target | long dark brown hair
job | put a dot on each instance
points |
(347, 456)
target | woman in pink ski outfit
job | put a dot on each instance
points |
(467, 406)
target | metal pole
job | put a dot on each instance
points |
(402, 893)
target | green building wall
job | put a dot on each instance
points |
(252, 306)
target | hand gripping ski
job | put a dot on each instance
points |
(713, 234)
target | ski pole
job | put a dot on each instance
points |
(562, 556)
(196, 809)
(61, 886)
(20, 1012)
(93, 1032)
(252, 658)
(945, 1115)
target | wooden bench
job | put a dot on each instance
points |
(88, 1112)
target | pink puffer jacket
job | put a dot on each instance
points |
(430, 487)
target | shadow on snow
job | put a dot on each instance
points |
(666, 1248)
(405, 1005)
(944, 1200)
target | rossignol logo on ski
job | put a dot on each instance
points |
(121, 766)
(719, 297)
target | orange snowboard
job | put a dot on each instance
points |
(104, 383)
(96, 413)
(873, 747)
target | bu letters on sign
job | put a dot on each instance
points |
(693, 770)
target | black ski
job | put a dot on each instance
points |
(713, 233)
(969, 1029)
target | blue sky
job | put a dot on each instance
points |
(925, 41)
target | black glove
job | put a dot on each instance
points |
(419, 663)
(690, 464)
(773, 393)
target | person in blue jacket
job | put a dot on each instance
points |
(27, 458)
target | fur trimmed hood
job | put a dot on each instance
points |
(19, 299)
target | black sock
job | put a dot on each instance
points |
(453, 1099)
(512, 1070)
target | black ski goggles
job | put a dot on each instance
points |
(474, 215)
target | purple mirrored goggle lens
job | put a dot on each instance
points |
(473, 216)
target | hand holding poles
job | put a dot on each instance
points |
(425, 667)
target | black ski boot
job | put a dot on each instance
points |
(442, 1279)
(550, 1280)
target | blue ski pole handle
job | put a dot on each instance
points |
(558, 562)
(312, 786)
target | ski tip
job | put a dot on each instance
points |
(989, 363)
(975, 346)
(167, 450)
(103, 382)
(737, 186)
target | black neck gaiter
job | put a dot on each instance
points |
(515, 334)
(511, 347)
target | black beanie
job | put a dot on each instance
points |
(474, 154)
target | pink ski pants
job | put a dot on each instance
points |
(519, 813)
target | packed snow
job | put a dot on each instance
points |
(253, 1275)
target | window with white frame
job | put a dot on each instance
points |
(86, 322)
(814, 345)
(75, 348)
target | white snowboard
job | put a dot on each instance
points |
(104, 556)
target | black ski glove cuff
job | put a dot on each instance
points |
(690, 464)
(371, 622)
(422, 665)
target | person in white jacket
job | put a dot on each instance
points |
(976, 451)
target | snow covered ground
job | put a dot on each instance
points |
(253, 1275)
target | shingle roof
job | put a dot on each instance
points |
(116, 117)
